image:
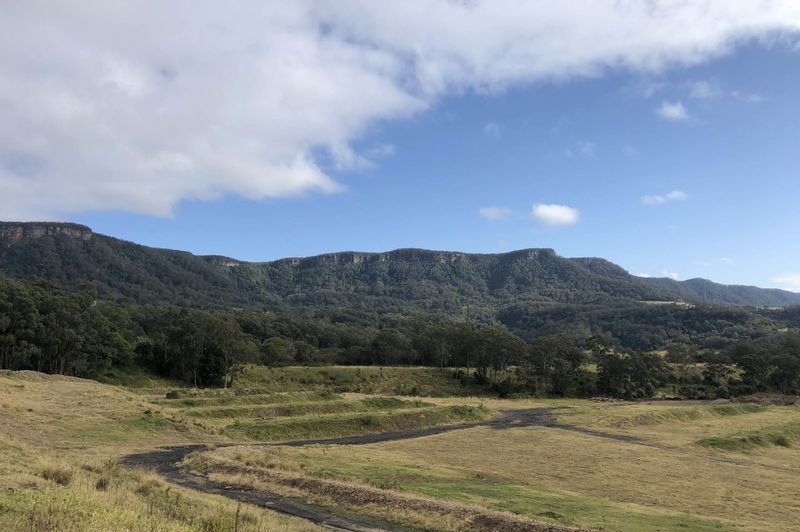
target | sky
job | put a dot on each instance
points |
(663, 135)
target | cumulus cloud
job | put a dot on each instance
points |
(655, 199)
(495, 213)
(139, 104)
(553, 214)
(672, 111)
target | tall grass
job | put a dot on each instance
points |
(255, 399)
(96, 498)
(343, 425)
(423, 381)
(306, 408)
(784, 435)
(680, 414)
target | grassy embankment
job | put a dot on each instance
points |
(58, 441)
(421, 381)
(627, 467)
(60, 437)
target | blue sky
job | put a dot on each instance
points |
(597, 145)
(680, 164)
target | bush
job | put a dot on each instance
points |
(58, 474)
(173, 394)
(103, 483)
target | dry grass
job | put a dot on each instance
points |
(420, 512)
(53, 425)
(577, 478)
(55, 477)
(109, 497)
(57, 435)
(784, 435)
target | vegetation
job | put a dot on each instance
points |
(323, 427)
(551, 474)
(784, 435)
(206, 350)
(534, 293)
(58, 473)
(61, 436)
(46, 329)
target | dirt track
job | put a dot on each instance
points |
(165, 462)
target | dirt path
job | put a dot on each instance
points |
(165, 462)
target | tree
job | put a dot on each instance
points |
(682, 355)
(557, 360)
(629, 375)
(390, 347)
(497, 349)
(277, 351)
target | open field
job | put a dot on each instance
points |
(61, 438)
(612, 466)
(58, 468)
(660, 479)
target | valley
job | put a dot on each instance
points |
(446, 462)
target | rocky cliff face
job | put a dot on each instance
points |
(11, 232)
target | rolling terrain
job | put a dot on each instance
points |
(79, 455)
(401, 281)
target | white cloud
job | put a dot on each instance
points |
(495, 213)
(492, 129)
(645, 275)
(137, 105)
(727, 260)
(703, 90)
(672, 275)
(747, 97)
(675, 195)
(583, 148)
(381, 150)
(672, 111)
(552, 214)
(788, 281)
(503, 244)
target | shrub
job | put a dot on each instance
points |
(148, 487)
(173, 394)
(103, 483)
(58, 474)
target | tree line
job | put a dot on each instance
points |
(47, 329)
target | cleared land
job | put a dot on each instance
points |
(612, 466)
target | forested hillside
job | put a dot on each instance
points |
(51, 330)
(407, 281)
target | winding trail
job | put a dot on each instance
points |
(165, 460)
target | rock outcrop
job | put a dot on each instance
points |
(13, 232)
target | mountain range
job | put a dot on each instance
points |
(402, 281)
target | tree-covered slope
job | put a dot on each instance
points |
(705, 290)
(401, 281)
